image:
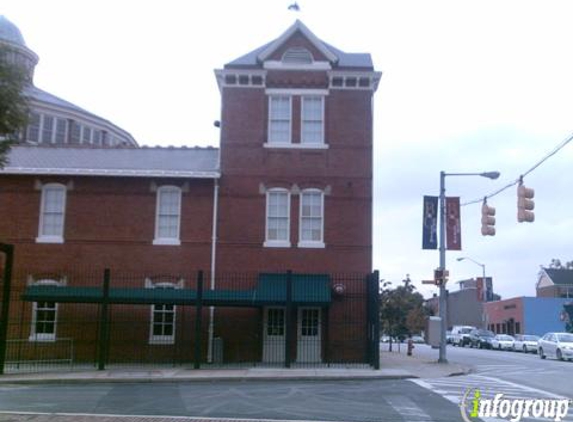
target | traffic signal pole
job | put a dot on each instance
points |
(442, 267)
(443, 301)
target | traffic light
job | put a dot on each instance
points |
(525, 204)
(487, 219)
(441, 276)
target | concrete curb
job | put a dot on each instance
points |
(198, 379)
(134, 377)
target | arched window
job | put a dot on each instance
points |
(278, 218)
(168, 216)
(52, 213)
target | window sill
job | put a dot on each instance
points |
(49, 239)
(42, 338)
(160, 341)
(276, 244)
(168, 242)
(308, 244)
(285, 145)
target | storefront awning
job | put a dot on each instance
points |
(271, 289)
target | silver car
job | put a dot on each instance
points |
(557, 345)
(525, 343)
(502, 342)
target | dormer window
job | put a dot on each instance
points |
(297, 55)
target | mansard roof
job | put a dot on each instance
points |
(336, 57)
(126, 162)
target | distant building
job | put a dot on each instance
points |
(54, 121)
(526, 315)
(555, 282)
(465, 306)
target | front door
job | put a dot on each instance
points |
(309, 335)
(274, 335)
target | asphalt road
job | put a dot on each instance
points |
(514, 374)
(368, 400)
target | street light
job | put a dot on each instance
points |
(484, 293)
(442, 300)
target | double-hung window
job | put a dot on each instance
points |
(163, 315)
(168, 216)
(44, 317)
(162, 324)
(52, 213)
(311, 219)
(278, 218)
(312, 120)
(280, 113)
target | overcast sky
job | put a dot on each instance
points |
(466, 87)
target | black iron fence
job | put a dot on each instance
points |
(99, 319)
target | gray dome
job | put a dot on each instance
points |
(10, 32)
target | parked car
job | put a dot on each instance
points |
(481, 338)
(449, 337)
(525, 343)
(502, 342)
(418, 339)
(461, 335)
(557, 345)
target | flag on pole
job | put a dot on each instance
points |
(430, 223)
(453, 224)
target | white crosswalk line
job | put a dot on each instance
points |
(409, 410)
(454, 388)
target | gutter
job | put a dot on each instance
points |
(213, 268)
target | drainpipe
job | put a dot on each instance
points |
(213, 266)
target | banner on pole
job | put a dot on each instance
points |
(430, 224)
(453, 224)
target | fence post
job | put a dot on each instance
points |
(326, 325)
(375, 281)
(8, 250)
(103, 343)
(198, 321)
(288, 319)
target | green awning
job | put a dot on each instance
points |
(307, 289)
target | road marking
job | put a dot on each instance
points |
(409, 410)
(523, 387)
(164, 418)
(456, 387)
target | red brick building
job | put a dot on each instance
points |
(289, 189)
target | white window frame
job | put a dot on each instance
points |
(162, 339)
(162, 240)
(277, 243)
(53, 237)
(44, 337)
(311, 243)
(270, 140)
(303, 120)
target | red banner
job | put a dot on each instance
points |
(453, 224)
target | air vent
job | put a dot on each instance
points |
(297, 55)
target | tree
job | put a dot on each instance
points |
(402, 310)
(14, 108)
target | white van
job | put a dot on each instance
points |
(461, 335)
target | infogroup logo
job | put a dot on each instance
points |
(473, 405)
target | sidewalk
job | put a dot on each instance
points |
(394, 365)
